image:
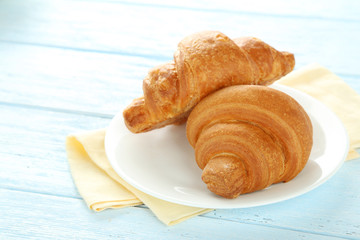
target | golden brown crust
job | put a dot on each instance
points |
(203, 63)
(249, 137)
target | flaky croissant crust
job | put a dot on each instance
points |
(249, 137)
(203, 63)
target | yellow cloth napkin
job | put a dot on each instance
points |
(102, 188)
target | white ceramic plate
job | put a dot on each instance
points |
(162, 163)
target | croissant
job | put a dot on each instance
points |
(249, 137)
(203, 63)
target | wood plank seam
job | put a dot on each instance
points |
(89, 50)
(58, 110)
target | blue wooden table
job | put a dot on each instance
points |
(68, 66)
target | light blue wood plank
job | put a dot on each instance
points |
(66, 79)
(48, 217)
(352, 80)
(32, 151)
(134, 29)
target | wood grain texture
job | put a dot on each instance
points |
(70, 65)
(34, 158)
(84, 78)
(49, 217)
(155, 31)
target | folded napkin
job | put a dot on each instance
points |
(102, 188)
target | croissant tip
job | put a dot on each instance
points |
(135, 116)
(289, 59)
(224, 176)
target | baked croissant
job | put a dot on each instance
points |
(203, 63)
(249, 137)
